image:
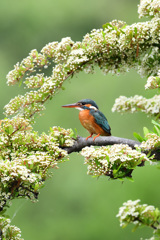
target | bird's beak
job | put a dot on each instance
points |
(73, 105)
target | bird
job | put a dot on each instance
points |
(91, 118)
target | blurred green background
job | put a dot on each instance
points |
(73, 205)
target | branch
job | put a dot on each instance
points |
(81, 142)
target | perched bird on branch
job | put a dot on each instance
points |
(91, 118)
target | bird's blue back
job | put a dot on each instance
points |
(101, 120)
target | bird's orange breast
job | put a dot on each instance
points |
(88, 122)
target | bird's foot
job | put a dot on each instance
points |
(96, 136)
(89, 136)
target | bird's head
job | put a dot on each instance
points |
(83, 104)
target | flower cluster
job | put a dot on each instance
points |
(117, 161)
(26, 157)
(9, 126)
(138, 103)
(152, 142)
(26, 105)
(28, 65)
(55, 52)
(35, 81)
(133, 212)
(150, 61)
(115, 48)
(9, 231)
(149, 8)
(58, 52)
(153, 82)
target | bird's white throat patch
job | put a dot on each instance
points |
(92, 107)
(80, 109)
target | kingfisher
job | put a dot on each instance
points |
(91, 118)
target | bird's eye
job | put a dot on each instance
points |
(80, 104)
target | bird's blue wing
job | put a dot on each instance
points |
(101, 120)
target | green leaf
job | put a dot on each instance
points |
(157, 130)
(68, 47)
(61, 141)
(138, 136)
(122, 31)
(73, 134)
(16, 194)
(107, 158)
(136, 226)
(157, 232)
(9, 129)
(103, 34)
(146, 131)
(135, 31)
(20, 82)
(156, 123)
(124, 225)
(121, 179)
(124, 26)
(130, 179)
(157, 213)
(106, 25)
(36, 187)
